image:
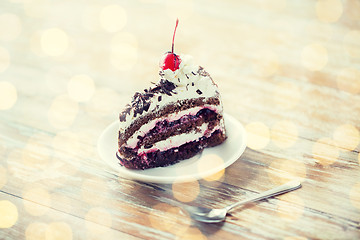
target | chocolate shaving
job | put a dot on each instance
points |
(199, 91)
(141, 101)
(147, 146)
(146, 106)
(122, 115)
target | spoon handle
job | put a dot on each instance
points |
(287, 187)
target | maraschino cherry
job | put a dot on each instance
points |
(170, 60)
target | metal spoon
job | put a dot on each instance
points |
(208, 215)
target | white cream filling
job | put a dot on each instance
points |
(144, 129)
(178, 140)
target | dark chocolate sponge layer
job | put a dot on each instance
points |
(173, 155)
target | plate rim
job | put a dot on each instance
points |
(131, 174)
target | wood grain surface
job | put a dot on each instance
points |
(289, 71)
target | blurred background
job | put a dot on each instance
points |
(92, 55)
(289, 70)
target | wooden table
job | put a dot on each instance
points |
(289, 71)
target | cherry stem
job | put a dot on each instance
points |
(172, 47)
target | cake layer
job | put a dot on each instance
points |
(175, 107)
(178, 140)
(166, 134)
(169, 125)
(173, 155)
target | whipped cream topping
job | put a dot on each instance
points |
(190, 82)
(187, 78)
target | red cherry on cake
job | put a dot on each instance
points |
(170, 60)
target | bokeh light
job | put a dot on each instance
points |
(90, 191)
(62, 112)
(157, 214)
(284, 134)
(346, 137)
(186, 191)
(258, 135)
(36, 231)
(105, 101)
(8, 95)
(327, 30)
(4, 59)
(58, 231)
(353, 10)
(54, 41)
(35, 43)
(36, 8)
(295, 238)
(179, 9)
(274, 5)
(124, 51)
(286, 95)
(98, 223)
(8, 214)
(351, 41)
(66, 146)
(192, 233)
(13, 160)
(329, 11)
(57, 79)
(36, 201)
(36, 154)
(3, 147)
(207, 163)
(325, 151)
(348, 80)
(3, 176)
(67, 142)
(90, 17)
(63, 202)
(99, 216)
(281, 171)
(113, 18)
(268, 64)
(354, 195)
(290, 207)
(10, 27)
(314, 57)
(81, 88)
(150, 1)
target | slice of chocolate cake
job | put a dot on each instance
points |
(172, 120)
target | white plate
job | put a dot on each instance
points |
(209, 162)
